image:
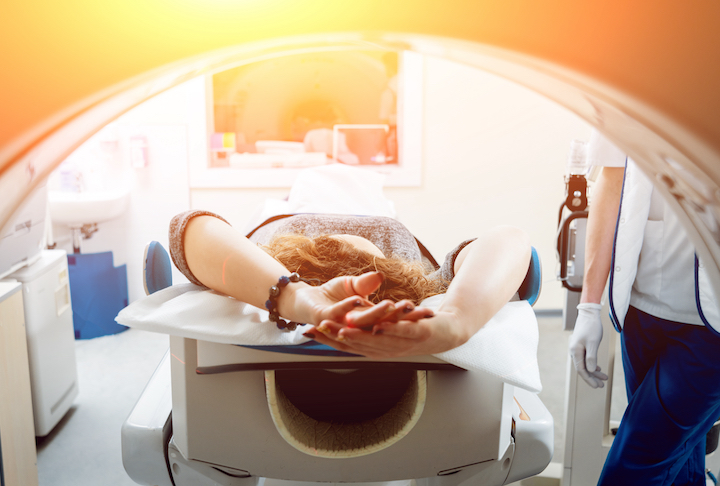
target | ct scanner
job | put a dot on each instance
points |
(644, 73)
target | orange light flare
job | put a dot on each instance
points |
(54, 54)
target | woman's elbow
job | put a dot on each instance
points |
(515, 236)
(516, 242)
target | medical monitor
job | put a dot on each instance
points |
(365, 144)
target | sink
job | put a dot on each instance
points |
(80, 208)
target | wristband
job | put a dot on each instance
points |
(271, 303)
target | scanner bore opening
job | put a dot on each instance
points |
(334, 415)
(352, 397)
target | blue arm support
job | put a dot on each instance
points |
(531, 286)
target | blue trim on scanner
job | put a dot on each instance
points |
(311, 348)
(157, 270)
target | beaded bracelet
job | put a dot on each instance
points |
(271, 303)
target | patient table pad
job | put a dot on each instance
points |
(506, 347)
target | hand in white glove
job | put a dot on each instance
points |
(584, 344)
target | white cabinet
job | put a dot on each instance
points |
(17, 432)
(50, 338)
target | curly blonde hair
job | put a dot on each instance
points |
(323, 258)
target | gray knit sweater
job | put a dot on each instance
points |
(391, 236)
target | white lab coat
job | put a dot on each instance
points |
(655, 268)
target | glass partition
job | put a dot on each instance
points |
(268, 119)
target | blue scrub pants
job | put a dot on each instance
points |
(672, 375)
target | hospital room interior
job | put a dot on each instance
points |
(435, 135)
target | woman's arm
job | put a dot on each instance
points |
(488, 272)
(224, 260)
(221, 258)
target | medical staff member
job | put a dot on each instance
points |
(661, 303)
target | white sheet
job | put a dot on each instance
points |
(505, 347)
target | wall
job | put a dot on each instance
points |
(494, 153)
(159, 190)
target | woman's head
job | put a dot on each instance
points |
(325, 257)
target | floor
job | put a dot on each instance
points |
(84, 449)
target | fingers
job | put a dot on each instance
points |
(327, 334)
(376, 345)
(591, 359)
(405, 310)
(366, 317)
(365, 284)
(590, 379)
(341, 288)
(592, 368)
(355, 340)
(577, 353)
(584, 361)
(329, 328)
(599, 374)
(404, 329)
(387, 311)
(337, 312)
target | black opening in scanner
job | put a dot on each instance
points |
(348, 396)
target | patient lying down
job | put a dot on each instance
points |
(362, 278)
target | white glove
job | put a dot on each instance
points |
(584, 344)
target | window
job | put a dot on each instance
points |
(269, 119)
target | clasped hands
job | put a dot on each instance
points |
(346, 320)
